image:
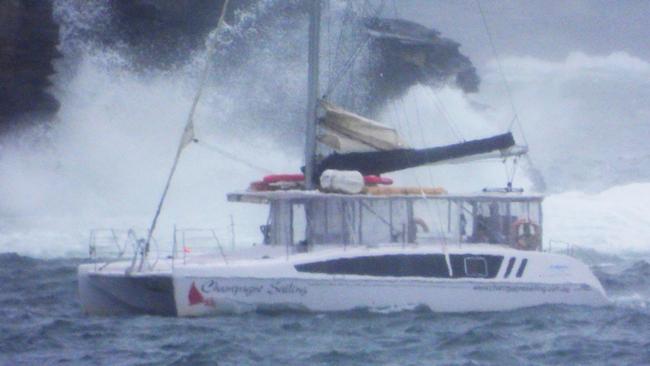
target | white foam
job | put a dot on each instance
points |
(614, 221)
(585, 117)
(104, 162)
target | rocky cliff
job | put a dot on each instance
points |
(163, 33)
(28, 45)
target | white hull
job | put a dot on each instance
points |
(241, 295)
(265, 284)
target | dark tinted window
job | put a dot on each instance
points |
(522, 267)
(476, 267)
(472, 265)
(401, 265)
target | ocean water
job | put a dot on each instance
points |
(42, 323)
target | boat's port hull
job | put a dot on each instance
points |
(114, 294)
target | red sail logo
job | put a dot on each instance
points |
(195, 296)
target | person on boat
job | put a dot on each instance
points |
(495, 234)
(303, 246)
(480, 230)
(266, 234)
(462, 222)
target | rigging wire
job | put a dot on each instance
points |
(510, 173)
(440, 106)
(445, 115)
(328, 11)
(346, 66)
(503, 75)
(349, 63)
(427, 202)
(188, 132)
(232, 157)
(339, 43)
(428, 170)
(538, 178)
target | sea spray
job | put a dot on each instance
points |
(101, 163)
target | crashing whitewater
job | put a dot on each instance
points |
(104, 161)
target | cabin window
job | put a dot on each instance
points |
(475, 267)
(328, 222)
(279, 230)
(361, 221)
(299, 224)
(435, 221)
(399, 265)
(514, 223)
(383, 221)
(526, 229)
(490, 222)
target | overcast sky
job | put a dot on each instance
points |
(547, 29)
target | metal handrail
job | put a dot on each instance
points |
(125, 241)
(180, 241)
(569, 247)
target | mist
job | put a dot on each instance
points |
(104, 159)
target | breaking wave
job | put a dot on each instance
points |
(104, 161)
(613, 221)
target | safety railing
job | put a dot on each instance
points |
(109, 245)
(196, 244)
(569, 249)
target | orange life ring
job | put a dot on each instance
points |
(526, 240)
(419, 222)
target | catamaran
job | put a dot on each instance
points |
(340, 236)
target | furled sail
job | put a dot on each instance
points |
(347, 132)
(379, 162)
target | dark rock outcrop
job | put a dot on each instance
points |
(407, 54)
(28, 45)
(402, 53)
(162, 33)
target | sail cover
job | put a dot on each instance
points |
(347, 132)
(379, 162)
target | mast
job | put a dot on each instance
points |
(312, 91)
(188, 132)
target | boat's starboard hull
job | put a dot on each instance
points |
(346, 280)
(204, 296)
